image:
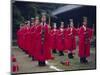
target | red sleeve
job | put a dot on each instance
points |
(90, 33)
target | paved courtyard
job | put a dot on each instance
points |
(26, 65)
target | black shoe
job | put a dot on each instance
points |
(70, 56)
(42, 63)
(81, 60)
(85, 61)
(61, 53)
(39, 63)
(54, 51)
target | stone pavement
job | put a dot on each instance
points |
(26, 65)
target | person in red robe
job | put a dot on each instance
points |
(53, 38)
(34, 24)
(60, 40)
(23, 37)
(70, 42)
(27, 37)
(20, 37)
(85, 35)
(42, 48)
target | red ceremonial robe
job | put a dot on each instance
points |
(33, 40)
(70, 43)
(20, 38)
(60, 40)
(84, 41)
(53, 39)
(23, 36)
(28, 40)
(42, 49)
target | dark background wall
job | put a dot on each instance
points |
(22, 11)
